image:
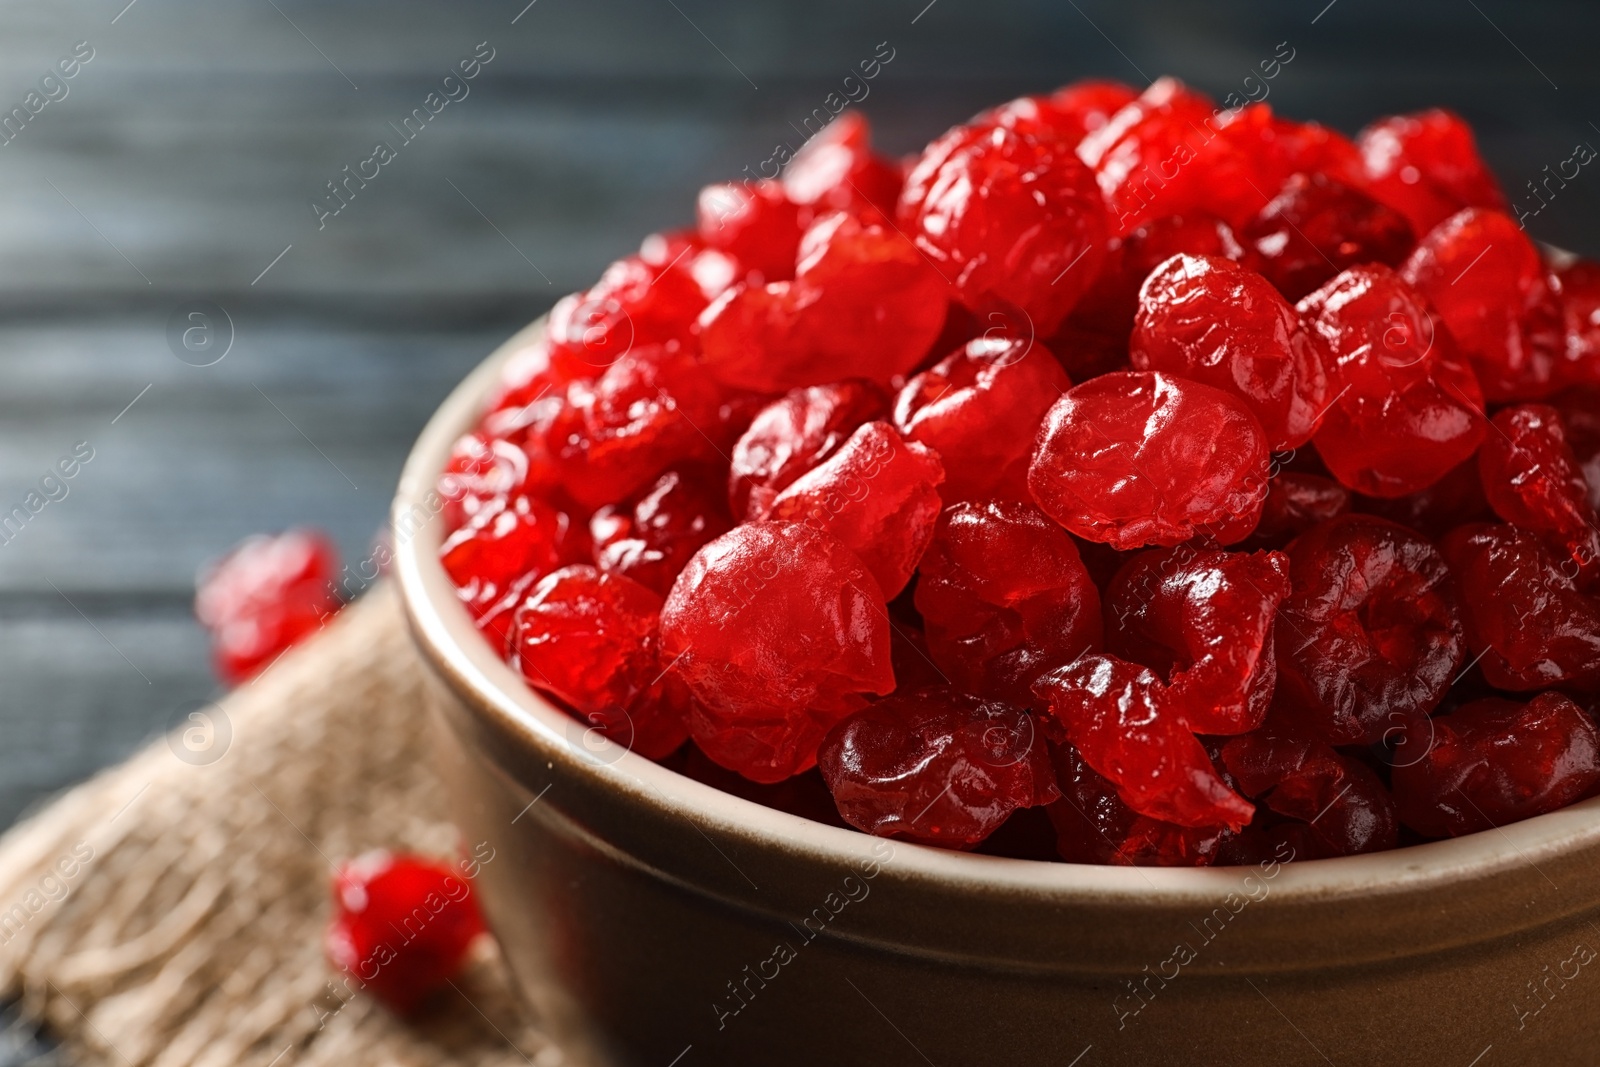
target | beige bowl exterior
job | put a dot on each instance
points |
(653, 921)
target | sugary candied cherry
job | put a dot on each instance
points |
(402, 925)
(1495, 761)
(864, 303)
(1135, 152)
(1580, 413)
(1342, 807)
(652, 409)
(1526, 619)
(1093, 825)
(793, 434)
(1116, 714)
(1295, 503)
(1146, 458)
(1486, 279)
(1532, 479)
(1371, 632)
(502, 550)
(836, 170)
(936, 766)
(779, 631)
(1317, 226)
(1578, 286)
(1012, 221)
(591, 639)
(974, 408)
(1203, 621)
(1004, 597)
(1094, 339)
(484, 468)
(268, 593)
(753, 221)
(878, 494)
(652, 538)
(1454, 499)
(1213, 321)
(1068, 114)
(1406, 407)
(1426, 166)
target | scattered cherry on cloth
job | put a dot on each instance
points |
(269, 593)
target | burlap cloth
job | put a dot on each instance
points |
(193, 933)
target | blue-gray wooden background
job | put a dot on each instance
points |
(183, 158)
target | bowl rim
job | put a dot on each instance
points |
(450, 643)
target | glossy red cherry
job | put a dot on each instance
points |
(267, 594)
(1426, 166)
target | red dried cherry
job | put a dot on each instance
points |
(652, 540)
(1146, 458)
(402, 926)
(1012, 221)
(1143, 147)
(1317, 226)
(864, 303)
(1004, 598)
(1093, 825)
(1067, 115)
(1344, 808)
(590, 639)
(269, 593)
(765, 586)
(1212, 321)
(1526, 620)
(755, 222)
(502, 550)
(1578, 286)
(1485, 277)
(793, 434)
(836, 170)
(1495, 761)
(972, 408)
(1371, 633)
(1406, 408)
(1295, 503)
(936, 766)
(1532, 479)
(1426, 166)
(1116, 714)
(878, 494)
(1203, 620)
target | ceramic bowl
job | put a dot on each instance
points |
(654, 921)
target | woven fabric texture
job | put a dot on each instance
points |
(170, 911)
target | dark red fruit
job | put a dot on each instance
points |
(1338, 803)
(793, 434)
(878, 494)
(864, 303)
(1012, 221)
(1533, 480)
(1116, 714)
(1406, 408)
(1203, 621)
(1093, 825)
(1371, 633)
(1526, 620)
(760, 588)
(1485, 277)
(502, 550)
(1210, 320)
(1317, 226)
(1146, 458)
(1426, 166)
(652, 540)
(1578, 286)
(1495, 761)
(755, 222)
(590, 639)
(1580, 413)
(936, 766)
(267, 594)
(402, 926)
(974, 407)
(1004, 598)
(1295, 503)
